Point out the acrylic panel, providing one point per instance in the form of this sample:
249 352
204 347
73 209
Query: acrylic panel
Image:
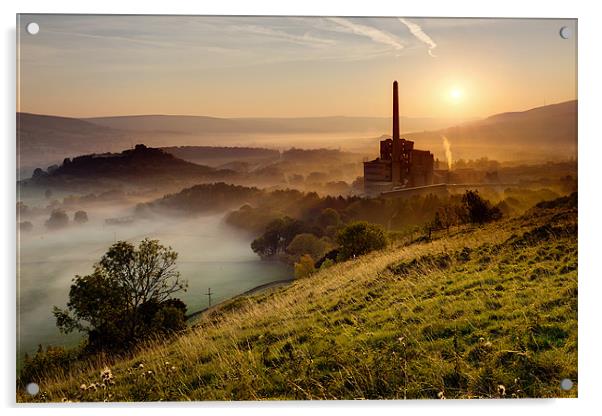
295 208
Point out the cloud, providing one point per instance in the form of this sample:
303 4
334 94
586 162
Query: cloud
370 32
111 37
417 31
305 39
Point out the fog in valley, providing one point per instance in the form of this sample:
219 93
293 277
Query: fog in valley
211 255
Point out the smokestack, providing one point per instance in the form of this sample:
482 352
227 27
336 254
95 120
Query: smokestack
395 112
396 151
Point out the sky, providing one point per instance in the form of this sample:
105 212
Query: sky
229 66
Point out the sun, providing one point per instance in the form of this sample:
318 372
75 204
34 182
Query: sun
456 94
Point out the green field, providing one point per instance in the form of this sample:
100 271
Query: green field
481 312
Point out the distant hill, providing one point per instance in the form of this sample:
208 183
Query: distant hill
202 125
548 132
46 140
141 164
215 197
216 156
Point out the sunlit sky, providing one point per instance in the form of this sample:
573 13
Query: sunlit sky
84 66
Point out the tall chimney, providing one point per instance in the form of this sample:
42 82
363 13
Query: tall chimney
396 151
395 112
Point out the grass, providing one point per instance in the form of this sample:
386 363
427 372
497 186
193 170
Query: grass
485 312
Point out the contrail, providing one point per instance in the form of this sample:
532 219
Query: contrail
370 32
420 35
448 153
278 34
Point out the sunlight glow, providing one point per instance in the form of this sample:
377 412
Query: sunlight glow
456 94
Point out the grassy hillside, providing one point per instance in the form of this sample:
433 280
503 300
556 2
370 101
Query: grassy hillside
480 313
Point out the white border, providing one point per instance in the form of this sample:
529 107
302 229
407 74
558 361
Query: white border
590 154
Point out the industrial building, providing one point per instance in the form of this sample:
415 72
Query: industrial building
399 164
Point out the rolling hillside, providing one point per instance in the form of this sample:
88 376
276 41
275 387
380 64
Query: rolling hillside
542 133
487 312
203 125
548 132
46 140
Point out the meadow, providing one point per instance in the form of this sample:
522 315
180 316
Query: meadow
479 312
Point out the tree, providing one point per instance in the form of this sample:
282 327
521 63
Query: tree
359 238
80 217
478 209
58 219
329 221
358 184
127 297
437 223
304 267
38 173
307 243
277 236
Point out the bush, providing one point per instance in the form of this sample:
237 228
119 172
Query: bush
46 362
304 267
359 238
478 209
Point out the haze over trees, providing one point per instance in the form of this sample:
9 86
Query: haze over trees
25 226
80 217
58 219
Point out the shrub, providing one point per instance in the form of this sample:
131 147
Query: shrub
360 238
304 267
478 209
47 361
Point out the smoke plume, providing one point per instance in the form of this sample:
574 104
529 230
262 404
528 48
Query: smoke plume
448 153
